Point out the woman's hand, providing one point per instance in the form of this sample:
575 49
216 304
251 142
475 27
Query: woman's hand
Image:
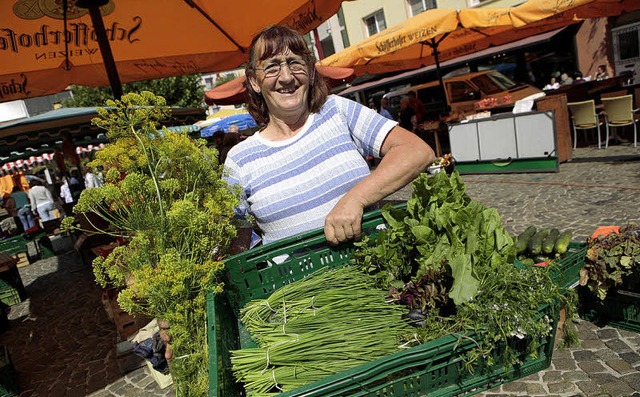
344 221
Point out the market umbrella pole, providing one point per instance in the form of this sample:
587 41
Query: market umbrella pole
434 46
105 48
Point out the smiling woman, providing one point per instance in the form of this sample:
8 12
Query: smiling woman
305 168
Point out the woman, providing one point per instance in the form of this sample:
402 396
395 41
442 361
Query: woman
65 194
18 206
601 73
41 201
305 168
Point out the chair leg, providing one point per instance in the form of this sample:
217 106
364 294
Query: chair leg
600 138
635 135
575 137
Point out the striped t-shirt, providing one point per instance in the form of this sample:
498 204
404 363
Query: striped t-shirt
290 186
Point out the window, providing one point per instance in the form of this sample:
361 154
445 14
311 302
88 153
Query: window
417 6
343 29
461 91
493 83
375 23
628 44
473 3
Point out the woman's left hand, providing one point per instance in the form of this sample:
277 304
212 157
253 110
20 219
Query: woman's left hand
344 222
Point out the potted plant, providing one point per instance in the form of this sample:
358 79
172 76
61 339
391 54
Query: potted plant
165 199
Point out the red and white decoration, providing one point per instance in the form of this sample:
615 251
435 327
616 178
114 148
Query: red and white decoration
23 165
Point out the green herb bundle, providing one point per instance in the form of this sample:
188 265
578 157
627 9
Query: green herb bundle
448 251
324 324
165 197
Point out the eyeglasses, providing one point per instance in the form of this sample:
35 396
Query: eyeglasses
296 66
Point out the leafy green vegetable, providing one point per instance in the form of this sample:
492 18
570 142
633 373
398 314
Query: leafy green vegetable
612 261
456 263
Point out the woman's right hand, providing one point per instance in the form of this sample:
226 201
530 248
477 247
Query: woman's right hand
344 222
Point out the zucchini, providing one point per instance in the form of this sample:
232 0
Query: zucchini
562 243
549 242
523 239
535 244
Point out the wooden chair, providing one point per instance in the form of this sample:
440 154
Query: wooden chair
584 117
619 112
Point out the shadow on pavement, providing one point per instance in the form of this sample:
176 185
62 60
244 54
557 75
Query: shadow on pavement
60 339
606 159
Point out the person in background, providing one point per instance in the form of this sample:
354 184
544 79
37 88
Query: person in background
41 201
305 167
578 77
417 106
407 117
218 137
67 198
384 108
565 79
100 175
90 179
76 184
58 158
601 73
231 139
21 208
553 85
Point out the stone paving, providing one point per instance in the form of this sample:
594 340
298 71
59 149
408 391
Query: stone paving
63 344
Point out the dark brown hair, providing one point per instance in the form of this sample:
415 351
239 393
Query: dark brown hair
276 39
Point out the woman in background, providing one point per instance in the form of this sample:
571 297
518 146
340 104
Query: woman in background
41 201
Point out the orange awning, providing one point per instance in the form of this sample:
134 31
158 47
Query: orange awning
411 43
149 39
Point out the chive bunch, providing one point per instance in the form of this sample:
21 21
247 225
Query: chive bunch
326 323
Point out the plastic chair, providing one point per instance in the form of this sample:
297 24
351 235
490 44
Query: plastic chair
619 112
584 117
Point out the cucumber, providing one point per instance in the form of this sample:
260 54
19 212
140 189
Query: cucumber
562 242
535 244
549 242
523 239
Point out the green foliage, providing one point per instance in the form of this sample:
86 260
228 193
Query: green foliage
225 78
613 261
181 91
165 197
456 263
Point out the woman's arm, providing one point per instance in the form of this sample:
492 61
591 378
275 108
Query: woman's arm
404 157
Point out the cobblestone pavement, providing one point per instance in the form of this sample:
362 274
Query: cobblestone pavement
62 343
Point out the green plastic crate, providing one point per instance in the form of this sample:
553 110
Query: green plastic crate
16 244
434 369
8 382
620 309
12 289
9 295
565 271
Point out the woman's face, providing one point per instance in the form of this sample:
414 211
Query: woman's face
283 80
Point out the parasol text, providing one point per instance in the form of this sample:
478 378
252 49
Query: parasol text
78 34
13 87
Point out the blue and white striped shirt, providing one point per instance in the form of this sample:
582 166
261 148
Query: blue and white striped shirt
290 186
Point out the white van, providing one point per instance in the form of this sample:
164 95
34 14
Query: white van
464 94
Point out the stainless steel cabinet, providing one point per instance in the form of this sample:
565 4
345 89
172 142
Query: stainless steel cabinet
504 137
